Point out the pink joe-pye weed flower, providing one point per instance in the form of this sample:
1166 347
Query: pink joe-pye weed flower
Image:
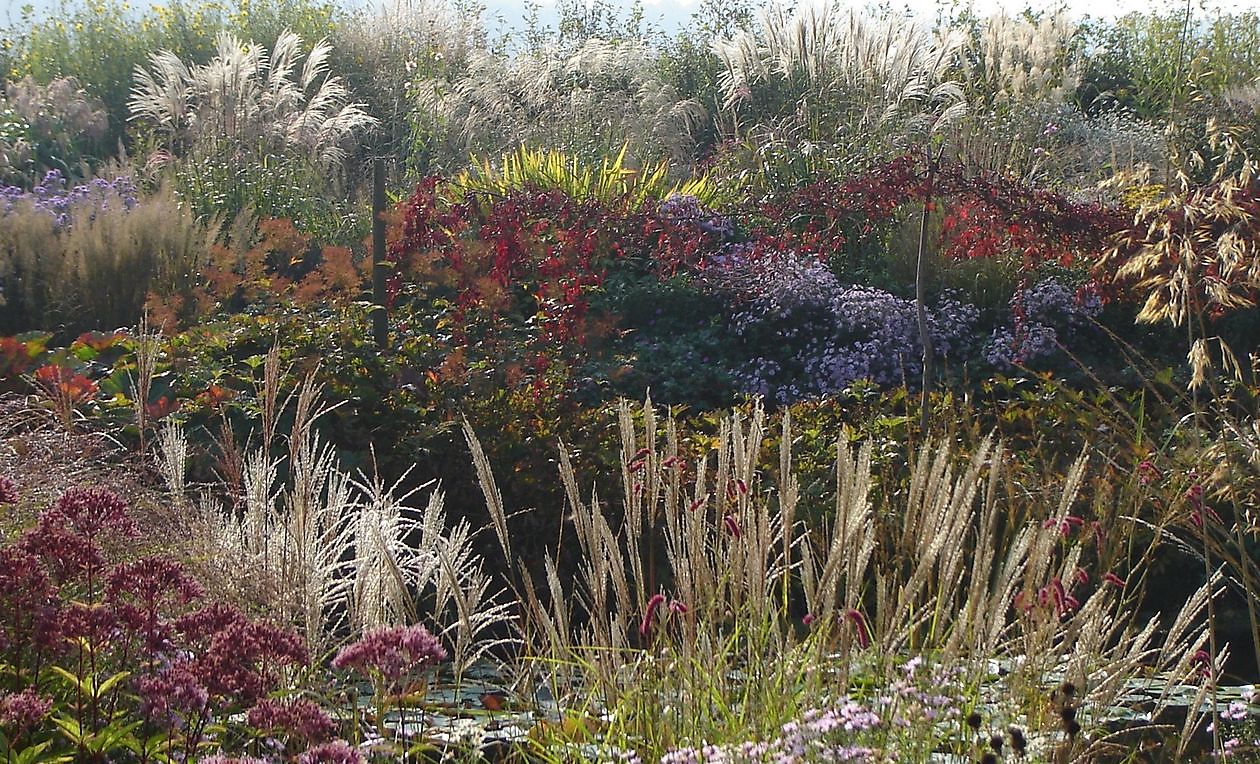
23 710
391 652
299 718
336 752
8 491
171 695
91 512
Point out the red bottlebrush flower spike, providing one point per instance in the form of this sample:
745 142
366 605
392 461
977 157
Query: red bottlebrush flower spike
859 623
808 619
649 614
677 606
732 526
697 504
1114 580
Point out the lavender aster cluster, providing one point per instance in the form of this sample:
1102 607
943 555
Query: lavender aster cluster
806 334
685 209
1045 316
828 734
53 196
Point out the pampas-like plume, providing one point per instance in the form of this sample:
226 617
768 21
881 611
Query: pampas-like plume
249 97
816 65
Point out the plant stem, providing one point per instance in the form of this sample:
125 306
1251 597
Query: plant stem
920 288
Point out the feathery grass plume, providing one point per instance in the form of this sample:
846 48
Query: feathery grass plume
172 456
390 44
839 575
840 76
255 100
1194 252
605 95
1013 62
389 563
494 499
148 347
294 540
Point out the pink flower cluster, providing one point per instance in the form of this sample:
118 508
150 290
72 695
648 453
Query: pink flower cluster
336 752
297 717
23 710
8 491
392 652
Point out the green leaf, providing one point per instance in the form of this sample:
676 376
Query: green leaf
110 683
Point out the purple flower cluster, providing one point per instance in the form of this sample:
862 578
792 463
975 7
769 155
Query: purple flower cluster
23 710
65 204
171 695
296 717
829 734
8 491
851 730
392 652
685 209
806 334
336 752
1045 316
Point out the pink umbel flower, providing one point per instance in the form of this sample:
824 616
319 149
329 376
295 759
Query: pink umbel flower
222 758
90 512
391 652
144 593
172 695
8 491
237 659
299 718
30 612
23 710
336 752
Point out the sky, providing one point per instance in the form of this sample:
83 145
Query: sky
673 14
676 12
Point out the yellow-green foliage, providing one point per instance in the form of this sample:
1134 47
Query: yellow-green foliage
611 182
94 272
